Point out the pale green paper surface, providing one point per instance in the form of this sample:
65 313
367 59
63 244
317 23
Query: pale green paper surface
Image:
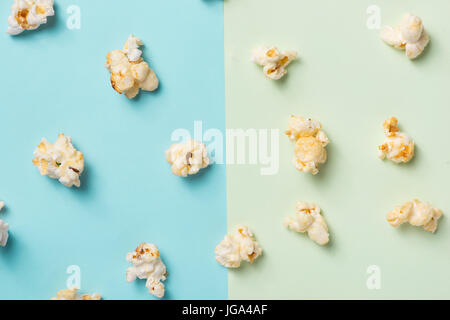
350 81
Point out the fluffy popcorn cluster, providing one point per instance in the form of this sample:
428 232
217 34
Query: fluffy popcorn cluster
147 264
187 158
410 36
28 15
273 61
237 247
129 72
417 213
310 143
72 294
398 146
60 160
3 229
308 219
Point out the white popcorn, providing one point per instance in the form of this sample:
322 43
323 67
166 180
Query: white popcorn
310 143
308 219
410 36
129 72
237 247
273 61
3 229
28 15
60 160
147 264
397 147
71 294
187 158
417 213
3 233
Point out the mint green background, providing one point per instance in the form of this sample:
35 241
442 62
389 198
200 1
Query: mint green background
348 79
54 80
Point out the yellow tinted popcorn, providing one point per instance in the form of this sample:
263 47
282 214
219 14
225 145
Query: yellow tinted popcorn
417 213
28 15
60 160
187 158
410 36
310 143
3 229
397 147
308 219
147 264
237 247
129 72
273 61
71 294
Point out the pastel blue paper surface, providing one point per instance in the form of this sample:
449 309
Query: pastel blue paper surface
53 80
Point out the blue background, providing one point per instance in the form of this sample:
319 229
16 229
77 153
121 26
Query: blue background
54 80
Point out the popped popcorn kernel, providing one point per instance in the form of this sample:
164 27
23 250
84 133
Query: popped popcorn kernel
398 146
417 213
308 219
273 61
129 72
147 264
60 160
410 36
237 247
310 143
71 294
28 15
187 158
3 229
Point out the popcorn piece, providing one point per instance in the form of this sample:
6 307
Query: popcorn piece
236 247
410 36
3 233
71 294
3 229
308 219
273 61
28 15
397 147
417 213
60 161
129 71
147 264
187 158
310 143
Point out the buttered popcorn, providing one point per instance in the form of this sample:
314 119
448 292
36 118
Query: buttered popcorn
398 146
60 160
3 229
410 36
237 247
308 219
417 213
129 72
310 143
72 294
147 264
273 61
28 15
187 158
